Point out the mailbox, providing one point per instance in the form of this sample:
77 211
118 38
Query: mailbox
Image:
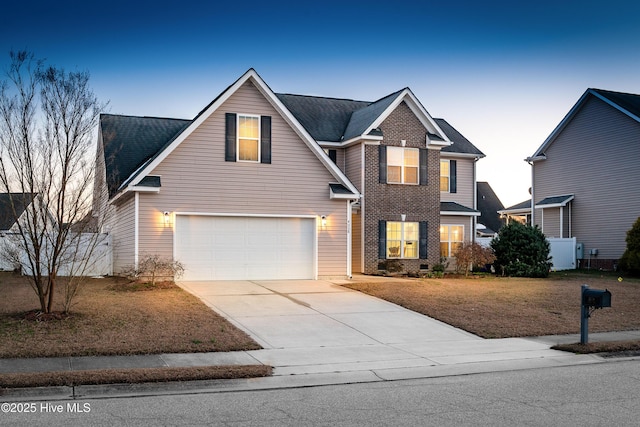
596 298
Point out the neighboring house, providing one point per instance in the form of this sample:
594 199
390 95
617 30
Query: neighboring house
13 208
520 212
489 221
586 176
277 186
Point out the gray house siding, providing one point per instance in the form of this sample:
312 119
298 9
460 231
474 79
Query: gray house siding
595 158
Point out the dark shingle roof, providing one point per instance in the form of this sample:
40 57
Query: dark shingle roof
8 211
455 207
326 119
555 200
130 141
363 118
460 143
339 189
519 206
628 101
489 205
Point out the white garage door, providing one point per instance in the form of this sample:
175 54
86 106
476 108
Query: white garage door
245 248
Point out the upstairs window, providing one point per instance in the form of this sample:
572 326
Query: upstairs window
448 178
248 138
402 165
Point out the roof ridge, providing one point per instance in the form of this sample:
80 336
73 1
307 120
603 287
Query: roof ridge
144 117
324 97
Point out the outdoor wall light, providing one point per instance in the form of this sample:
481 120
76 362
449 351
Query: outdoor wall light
167 217
323 221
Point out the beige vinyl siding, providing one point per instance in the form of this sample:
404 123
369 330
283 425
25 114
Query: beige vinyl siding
464 178
353 165
595 157
356 242
195 178
550 221
123 234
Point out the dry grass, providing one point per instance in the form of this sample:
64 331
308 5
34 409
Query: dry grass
112 318
495 307
131 376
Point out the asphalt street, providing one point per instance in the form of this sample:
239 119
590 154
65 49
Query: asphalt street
586 395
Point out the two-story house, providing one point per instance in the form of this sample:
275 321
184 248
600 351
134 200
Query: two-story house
265 185
586 175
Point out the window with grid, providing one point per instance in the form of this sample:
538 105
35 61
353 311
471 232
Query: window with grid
402 165
248 138
402 239
444 175
451 238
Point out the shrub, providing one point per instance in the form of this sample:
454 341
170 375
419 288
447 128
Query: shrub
630 261
521 251
154 267
471 254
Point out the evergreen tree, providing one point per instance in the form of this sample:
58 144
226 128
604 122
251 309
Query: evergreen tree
630 261
521 251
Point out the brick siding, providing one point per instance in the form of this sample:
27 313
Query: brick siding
389 201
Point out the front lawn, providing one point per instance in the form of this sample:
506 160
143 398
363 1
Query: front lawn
497 307
113 318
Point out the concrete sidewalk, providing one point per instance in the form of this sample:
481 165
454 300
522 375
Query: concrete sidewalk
316 332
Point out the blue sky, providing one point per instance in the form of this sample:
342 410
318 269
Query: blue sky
503 73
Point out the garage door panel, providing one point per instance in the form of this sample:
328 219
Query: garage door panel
245 248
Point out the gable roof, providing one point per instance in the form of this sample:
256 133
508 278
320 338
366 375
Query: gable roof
351 119
626 103
461 145
10 202
326 119
130 141
488 205
153 158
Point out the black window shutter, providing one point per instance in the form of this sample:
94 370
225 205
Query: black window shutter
333 155
265 139
424 240
453 181
230 138
382 239
382 151
424 158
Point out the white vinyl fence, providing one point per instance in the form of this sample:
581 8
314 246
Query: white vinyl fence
88 254
563 253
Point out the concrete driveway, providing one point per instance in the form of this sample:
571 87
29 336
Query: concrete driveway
315 326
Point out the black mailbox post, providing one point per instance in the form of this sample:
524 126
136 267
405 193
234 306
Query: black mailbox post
591 299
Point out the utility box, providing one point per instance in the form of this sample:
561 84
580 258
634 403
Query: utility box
596 298
579 250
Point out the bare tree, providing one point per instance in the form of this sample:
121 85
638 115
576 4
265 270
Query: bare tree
47 119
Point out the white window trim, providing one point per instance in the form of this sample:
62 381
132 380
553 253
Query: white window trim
402 166
449 241
238 116
402 241
448 190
